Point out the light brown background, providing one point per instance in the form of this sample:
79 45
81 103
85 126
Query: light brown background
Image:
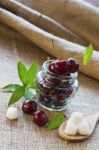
23 134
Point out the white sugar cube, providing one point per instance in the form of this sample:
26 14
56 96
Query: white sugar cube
84 128
76 117
12 113
71 129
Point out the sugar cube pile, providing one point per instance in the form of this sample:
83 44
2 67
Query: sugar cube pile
77 124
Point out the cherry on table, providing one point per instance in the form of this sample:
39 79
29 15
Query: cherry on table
40 118
29 107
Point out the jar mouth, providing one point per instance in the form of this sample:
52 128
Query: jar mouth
64 77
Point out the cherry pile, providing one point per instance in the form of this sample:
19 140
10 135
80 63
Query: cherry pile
64 67
30 107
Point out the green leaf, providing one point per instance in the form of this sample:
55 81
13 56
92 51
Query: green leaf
18 93
11 87
31 75
28 94
87 55
22 72
56 121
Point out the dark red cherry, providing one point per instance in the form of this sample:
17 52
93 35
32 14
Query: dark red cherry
29 107
59 67
69 91
59 100
40 118
73 65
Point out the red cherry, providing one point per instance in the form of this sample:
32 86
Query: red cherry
59 100
59 67
73 65
29 107
40 118
69 91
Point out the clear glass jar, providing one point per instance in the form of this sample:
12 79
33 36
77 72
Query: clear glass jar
54 91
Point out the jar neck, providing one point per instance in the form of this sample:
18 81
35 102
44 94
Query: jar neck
46 72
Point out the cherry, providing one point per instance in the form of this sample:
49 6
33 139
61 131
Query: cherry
29 107
40 118
59 67
73 65
59 100
69 91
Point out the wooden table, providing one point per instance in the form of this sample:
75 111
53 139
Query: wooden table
23 134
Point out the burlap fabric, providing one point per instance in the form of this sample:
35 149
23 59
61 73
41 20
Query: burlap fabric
23 134
82 20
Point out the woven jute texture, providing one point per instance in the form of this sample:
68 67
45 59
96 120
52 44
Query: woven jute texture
20 18
23 134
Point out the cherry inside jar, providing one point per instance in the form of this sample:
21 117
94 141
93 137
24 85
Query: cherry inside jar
54 91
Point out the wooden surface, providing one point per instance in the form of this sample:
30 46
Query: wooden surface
23 134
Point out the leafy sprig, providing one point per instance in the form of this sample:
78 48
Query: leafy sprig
28 81
56 121
11 87
87 54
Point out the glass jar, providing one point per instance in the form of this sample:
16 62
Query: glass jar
54 91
